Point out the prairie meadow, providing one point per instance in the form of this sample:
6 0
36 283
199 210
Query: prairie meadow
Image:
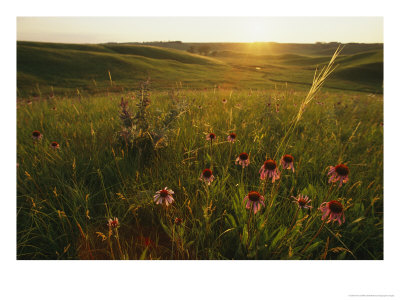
199 171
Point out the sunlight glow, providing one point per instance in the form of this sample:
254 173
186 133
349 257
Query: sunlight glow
201 29
256 31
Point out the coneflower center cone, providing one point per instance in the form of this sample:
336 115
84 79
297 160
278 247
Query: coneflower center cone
342 170
254 196
164 193
243 156
302 202
288 158
207 173
36 133
270 165
335 206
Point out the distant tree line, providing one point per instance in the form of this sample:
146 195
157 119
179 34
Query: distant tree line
163 42
328 44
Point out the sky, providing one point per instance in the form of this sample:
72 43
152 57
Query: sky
200 29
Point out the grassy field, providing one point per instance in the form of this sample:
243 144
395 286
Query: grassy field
44 68
120 143
65 197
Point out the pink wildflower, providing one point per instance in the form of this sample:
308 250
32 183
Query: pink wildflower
36 135
302 201
269 169
55 145
211 136
165 196
207 176
332 210
253 201
113 223
232 137
339 173
287 162
243 159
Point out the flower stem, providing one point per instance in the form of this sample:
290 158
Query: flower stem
241 178
248 227
118 243
329 193
211 154
173 241
110 244
273 196
318 232
229 158
290 228
264 185
294 219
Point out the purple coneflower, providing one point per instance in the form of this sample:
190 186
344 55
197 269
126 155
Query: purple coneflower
54 108
55 145
113 223
287 162
207 176
302 201
224 101
232 137
253 201
36 135
211 136
339 173
243 159
269 169
332 210
165 196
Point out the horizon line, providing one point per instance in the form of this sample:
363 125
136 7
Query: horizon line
192 42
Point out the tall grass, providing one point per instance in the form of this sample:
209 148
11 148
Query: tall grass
317 83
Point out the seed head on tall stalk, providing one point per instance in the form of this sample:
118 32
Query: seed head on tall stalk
231 139
318 81
210 137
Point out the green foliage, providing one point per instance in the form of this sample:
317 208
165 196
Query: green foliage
65 197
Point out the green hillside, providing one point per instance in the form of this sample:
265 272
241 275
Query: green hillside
42 67
87 66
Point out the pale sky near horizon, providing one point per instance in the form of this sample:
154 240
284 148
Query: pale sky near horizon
200 29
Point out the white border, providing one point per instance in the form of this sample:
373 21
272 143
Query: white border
198 279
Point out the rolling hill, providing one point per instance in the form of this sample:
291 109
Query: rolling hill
42 67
